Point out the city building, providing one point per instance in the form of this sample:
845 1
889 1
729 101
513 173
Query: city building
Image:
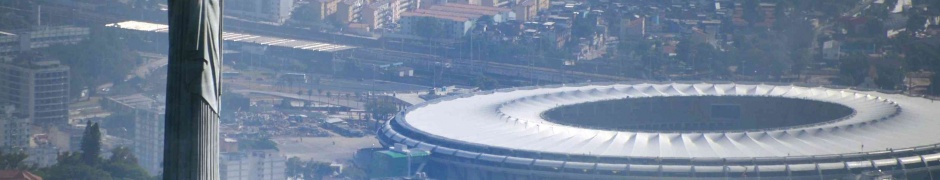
739 130
43 154
543 4
832 50
253 165
454 19
276 11
495 3
451 26
633 28
149 125
37 86
470 2
228 145
14 130
325 8
45 36
65 137
396 162
497 14
526 10
377 14
401 6
348 11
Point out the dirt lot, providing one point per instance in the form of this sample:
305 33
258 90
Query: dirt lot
323 148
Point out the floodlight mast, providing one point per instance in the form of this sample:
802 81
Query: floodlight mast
191 144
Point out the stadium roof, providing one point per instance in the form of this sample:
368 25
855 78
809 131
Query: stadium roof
511 119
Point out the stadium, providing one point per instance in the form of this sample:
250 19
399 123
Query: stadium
673 130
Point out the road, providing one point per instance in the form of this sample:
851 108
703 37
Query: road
320 99
466 66
373 45
327 149
155 61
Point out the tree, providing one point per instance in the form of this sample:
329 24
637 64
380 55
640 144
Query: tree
915 23
75 171
91 144
103 58
294 167
752 12
123 165
853 70
12 160
429 28
891 3
122 155
71 165
584 26
934 88
485 82
381 109
120 124
257 144
353 172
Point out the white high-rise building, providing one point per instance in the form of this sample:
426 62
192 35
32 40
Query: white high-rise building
36 86
253 165
14 131
276 11
148 128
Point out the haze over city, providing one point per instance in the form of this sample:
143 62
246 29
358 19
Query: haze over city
474 89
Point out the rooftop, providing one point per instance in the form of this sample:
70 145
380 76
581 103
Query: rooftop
240 37
137 101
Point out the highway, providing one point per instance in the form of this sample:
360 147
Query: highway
473 67
371 49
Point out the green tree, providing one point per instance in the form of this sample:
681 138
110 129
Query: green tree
853 70
934 88
103 58
353 172
485 82
91 144
120 124
381 109
308 169
317 170
123 165
915 23
13 160
429 28
752 12
294 167
75 171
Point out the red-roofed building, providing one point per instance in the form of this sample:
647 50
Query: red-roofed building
455 19
18 175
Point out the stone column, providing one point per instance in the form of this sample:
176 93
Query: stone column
191 145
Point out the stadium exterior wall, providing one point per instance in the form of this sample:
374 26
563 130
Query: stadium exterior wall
455 159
